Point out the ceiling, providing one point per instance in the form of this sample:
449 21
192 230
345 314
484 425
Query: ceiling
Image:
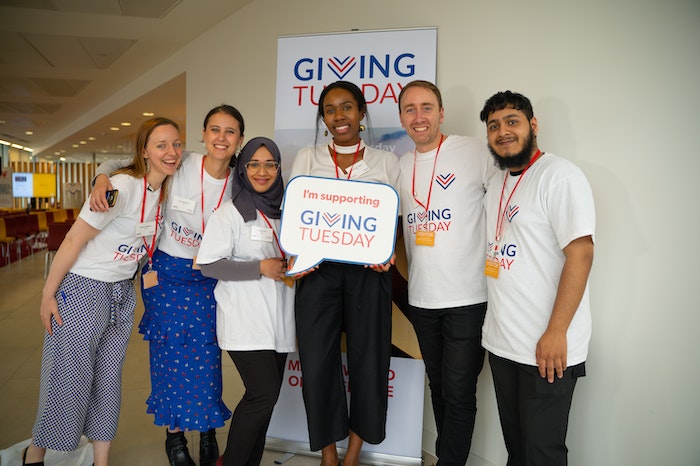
59 59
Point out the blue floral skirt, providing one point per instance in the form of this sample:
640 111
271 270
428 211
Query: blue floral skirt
179 324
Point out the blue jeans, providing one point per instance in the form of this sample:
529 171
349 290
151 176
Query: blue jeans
450 342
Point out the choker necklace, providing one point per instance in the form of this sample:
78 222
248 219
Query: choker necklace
348 149
354 159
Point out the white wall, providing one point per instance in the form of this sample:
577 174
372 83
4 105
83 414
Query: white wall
615 88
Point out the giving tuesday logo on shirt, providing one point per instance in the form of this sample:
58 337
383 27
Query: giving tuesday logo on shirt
431 220
129 252
186 236
444 181
511 212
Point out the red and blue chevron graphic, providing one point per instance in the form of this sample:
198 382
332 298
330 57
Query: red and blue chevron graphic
445 180
341 67
512 211
331 219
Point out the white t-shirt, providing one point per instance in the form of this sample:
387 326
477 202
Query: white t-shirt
451 272
250 314
183 212
378 166
552 206
114 254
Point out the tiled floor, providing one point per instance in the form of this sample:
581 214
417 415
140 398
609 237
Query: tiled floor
138 441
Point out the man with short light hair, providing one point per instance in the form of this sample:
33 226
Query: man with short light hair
442 189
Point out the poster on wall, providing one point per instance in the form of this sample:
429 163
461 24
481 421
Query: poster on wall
380 63
6 201
72 196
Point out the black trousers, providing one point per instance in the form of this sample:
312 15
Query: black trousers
356 300
534 413
450 342
262 373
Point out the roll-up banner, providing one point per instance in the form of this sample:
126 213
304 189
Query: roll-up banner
380 63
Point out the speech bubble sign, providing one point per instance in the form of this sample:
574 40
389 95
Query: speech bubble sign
339 220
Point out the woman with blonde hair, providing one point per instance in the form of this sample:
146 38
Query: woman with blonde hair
88 301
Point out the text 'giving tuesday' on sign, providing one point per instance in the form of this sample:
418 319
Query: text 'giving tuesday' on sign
339 220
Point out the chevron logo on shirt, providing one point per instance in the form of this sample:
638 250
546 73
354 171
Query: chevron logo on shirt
445 180
512 211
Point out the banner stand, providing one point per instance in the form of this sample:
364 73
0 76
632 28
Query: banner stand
288 431
379 62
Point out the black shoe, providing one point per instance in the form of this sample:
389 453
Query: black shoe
176 449
208 448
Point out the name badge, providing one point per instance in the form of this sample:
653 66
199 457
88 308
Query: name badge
150 279
183 204
146 228
359 168
425 238
289 281
261 234
492 267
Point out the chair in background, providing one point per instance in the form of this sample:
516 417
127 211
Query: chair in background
43 221
15 229
31 232
6 242
40 240
71 215
26 231
57 232
49 218
59 215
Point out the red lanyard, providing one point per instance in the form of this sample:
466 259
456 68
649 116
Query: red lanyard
502 213
274 233
354 159
201 185
432 177
150 250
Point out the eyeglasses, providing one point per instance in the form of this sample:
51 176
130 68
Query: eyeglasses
270 167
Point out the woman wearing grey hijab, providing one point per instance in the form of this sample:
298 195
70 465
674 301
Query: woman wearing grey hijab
255 306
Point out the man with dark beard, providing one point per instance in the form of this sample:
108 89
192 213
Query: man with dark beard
540 222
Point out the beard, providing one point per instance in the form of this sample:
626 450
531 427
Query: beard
520 159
